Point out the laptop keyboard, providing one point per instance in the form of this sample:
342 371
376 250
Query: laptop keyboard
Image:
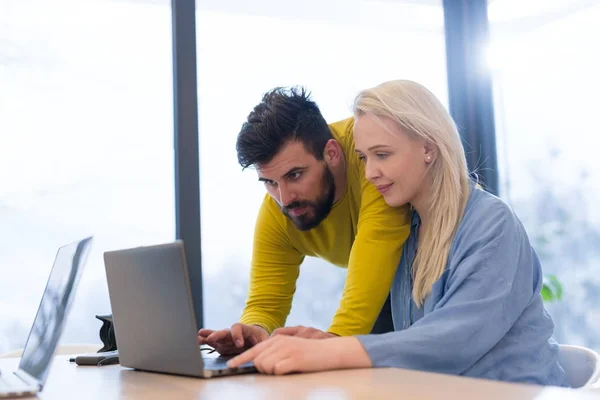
215 362
11 384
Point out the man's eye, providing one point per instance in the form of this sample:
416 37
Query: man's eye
270 183
295 176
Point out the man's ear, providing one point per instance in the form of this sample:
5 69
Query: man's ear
332 152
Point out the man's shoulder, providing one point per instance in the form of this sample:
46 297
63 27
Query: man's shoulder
342 132
343 126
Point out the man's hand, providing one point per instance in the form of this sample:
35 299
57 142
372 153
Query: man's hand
303 332
284 354
235 340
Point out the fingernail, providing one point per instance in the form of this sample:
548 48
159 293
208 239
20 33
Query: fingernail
238 343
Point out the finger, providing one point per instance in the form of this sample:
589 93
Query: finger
220 345
219 339
205 332
215 345
270 347
316 335
269 357
253 340
288 330
286 365
218 335
261 362
266 364
248 355
223 346
305 332
242 358
239 334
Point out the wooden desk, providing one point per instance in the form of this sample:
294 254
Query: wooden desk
69 381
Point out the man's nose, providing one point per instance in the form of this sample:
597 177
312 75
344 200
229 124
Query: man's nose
286 196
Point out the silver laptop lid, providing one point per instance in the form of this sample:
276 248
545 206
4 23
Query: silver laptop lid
56 301
153 311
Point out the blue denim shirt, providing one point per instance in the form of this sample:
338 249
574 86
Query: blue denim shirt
484 317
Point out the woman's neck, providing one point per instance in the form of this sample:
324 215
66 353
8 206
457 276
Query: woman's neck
421 204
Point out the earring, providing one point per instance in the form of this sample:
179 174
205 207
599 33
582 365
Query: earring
428 158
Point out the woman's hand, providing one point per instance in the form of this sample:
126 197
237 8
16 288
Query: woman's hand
286 354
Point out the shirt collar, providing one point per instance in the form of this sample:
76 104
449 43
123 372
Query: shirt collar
415 220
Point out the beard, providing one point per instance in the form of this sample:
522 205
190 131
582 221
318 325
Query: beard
316 210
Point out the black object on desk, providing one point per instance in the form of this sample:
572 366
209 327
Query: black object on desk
97 359
107 333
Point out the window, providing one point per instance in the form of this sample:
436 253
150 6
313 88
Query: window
86 126
334 49
545 63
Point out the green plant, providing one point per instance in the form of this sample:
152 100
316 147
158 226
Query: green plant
551 288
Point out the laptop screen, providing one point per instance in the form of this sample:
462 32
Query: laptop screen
56 300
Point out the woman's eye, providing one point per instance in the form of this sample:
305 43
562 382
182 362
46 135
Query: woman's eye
381 156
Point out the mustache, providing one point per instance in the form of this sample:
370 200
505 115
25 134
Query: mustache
297 204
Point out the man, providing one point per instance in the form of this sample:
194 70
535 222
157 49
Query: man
319 204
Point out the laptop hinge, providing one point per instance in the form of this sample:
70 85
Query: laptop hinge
28 379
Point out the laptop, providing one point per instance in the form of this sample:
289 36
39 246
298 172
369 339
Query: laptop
153 313
48 324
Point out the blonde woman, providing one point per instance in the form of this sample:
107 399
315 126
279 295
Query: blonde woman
466 294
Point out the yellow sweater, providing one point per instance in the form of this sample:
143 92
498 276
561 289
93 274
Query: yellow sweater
361 233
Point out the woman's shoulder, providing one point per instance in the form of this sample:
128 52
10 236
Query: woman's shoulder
487 219
486 211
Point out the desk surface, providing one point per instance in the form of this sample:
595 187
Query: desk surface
69 381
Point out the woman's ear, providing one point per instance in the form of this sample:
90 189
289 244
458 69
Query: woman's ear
332 152
430 152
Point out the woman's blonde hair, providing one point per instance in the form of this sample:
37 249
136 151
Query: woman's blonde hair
421 115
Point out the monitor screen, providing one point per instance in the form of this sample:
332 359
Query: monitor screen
52 312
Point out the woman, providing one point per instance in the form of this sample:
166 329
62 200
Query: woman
466 295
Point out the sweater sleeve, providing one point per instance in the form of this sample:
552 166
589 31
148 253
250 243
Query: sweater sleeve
373 260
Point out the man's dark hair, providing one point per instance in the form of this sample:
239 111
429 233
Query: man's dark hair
283 115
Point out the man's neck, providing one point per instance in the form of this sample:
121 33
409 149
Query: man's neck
339 177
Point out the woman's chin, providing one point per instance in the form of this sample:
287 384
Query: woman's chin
394 201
